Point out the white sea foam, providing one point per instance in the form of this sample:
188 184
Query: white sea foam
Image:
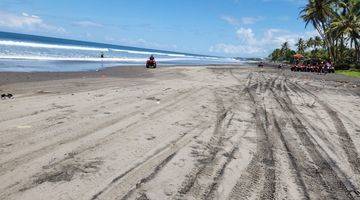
85 59
49 46
84 48
148 53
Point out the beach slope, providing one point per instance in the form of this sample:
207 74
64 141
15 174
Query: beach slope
179 133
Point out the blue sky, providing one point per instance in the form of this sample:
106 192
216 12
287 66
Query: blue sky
247 28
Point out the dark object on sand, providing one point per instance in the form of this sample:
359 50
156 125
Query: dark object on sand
261 64
151 63
8 95
331 69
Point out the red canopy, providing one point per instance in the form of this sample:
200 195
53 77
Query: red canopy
298 56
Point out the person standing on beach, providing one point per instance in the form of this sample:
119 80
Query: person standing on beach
102 59
327 67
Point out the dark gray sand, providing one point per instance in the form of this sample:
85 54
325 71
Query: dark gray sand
180 133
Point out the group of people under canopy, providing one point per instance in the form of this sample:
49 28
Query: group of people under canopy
312 65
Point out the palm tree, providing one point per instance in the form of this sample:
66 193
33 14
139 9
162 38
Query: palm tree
310 43
286 52
301 46
318 42
348 24
284 49
318 12
285 46
353 28
276 55
338 25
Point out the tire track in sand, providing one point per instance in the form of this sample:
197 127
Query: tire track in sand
345 138
208 164
14 163
292 158
262 164
122 186
204 180
28 185
323 172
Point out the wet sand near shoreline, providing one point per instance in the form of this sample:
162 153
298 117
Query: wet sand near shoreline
120 72
180 133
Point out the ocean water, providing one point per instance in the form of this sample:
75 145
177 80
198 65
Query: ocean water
27 53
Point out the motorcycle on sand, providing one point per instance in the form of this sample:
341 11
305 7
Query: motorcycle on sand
151 63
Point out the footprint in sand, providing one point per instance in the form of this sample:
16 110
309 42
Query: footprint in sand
169 189
151 138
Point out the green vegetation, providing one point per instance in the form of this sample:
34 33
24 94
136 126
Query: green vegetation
283 54
352 73
338 25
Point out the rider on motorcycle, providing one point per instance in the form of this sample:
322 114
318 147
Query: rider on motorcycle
151 63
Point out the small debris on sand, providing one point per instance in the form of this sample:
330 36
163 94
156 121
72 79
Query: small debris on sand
166 89
43 92
153 99
8 95
151 138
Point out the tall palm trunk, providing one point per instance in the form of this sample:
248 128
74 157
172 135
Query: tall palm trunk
357 52
328 42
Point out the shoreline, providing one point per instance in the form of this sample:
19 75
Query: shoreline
139 71
129 71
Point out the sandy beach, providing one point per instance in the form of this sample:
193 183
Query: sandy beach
179 133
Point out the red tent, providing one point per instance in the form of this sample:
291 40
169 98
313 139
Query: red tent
298 56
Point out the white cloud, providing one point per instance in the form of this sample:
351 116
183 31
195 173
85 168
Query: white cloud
251 20
239 21
231 20
250 45
236 49
246 35
26 21
87 24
